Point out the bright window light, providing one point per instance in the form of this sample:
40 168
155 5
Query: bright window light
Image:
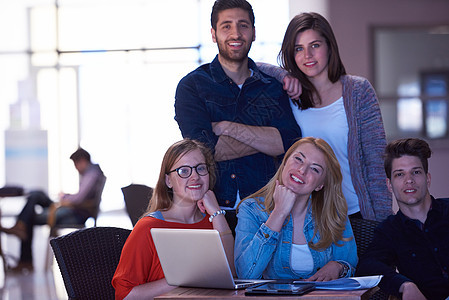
106 72
410 114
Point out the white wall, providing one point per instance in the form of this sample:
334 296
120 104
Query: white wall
319 6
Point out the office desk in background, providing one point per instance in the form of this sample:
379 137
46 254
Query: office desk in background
199 293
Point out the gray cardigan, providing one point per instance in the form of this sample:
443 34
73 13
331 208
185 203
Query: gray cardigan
366 145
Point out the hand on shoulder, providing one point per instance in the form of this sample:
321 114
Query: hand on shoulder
292 86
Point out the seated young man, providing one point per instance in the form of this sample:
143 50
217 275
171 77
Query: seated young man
70 209
411 249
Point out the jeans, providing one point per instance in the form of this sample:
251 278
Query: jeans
28 215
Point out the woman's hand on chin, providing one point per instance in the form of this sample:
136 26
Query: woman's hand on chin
284 198
209 203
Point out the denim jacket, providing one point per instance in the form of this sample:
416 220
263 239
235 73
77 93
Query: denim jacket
208 95
261 252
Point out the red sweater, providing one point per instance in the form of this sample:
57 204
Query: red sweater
139 262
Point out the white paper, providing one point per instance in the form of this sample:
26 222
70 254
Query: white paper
351 283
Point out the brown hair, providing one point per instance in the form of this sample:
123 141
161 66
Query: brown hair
80 154
286 57
409 146
162 198
221 5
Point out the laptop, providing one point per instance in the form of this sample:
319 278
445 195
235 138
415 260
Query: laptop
196 258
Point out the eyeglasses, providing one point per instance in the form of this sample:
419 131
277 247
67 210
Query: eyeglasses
186 171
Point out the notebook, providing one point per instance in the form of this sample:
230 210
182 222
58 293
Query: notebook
196 258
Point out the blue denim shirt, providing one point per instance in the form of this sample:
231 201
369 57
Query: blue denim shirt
208 95
261 252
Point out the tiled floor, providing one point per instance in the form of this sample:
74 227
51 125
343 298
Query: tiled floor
42 284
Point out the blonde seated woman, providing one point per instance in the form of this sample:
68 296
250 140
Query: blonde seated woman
296 226
182 198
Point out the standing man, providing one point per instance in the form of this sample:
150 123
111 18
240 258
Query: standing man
71 209
242 114
415 241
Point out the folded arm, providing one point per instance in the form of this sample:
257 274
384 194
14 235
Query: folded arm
230 139
228 148
263 139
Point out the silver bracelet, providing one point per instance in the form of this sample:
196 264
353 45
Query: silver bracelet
344 272
218 212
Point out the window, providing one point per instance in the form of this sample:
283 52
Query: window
435 91
103 74
411 71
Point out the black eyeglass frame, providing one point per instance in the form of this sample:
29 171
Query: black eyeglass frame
191 170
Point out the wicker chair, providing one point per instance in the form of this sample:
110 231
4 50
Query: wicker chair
363 234
87 259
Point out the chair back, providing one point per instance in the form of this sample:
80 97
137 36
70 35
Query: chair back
87 259
363 234
231 218
137 197
97 198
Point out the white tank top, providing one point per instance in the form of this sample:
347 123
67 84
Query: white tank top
330 124
301 259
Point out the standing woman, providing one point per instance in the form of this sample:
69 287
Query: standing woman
296 226
341 109
182 198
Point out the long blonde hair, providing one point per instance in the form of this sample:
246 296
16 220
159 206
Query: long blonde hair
162 198
329 207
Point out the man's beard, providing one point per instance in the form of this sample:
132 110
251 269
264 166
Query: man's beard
230 55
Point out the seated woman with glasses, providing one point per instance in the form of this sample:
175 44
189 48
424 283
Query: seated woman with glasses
182 198
296 226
